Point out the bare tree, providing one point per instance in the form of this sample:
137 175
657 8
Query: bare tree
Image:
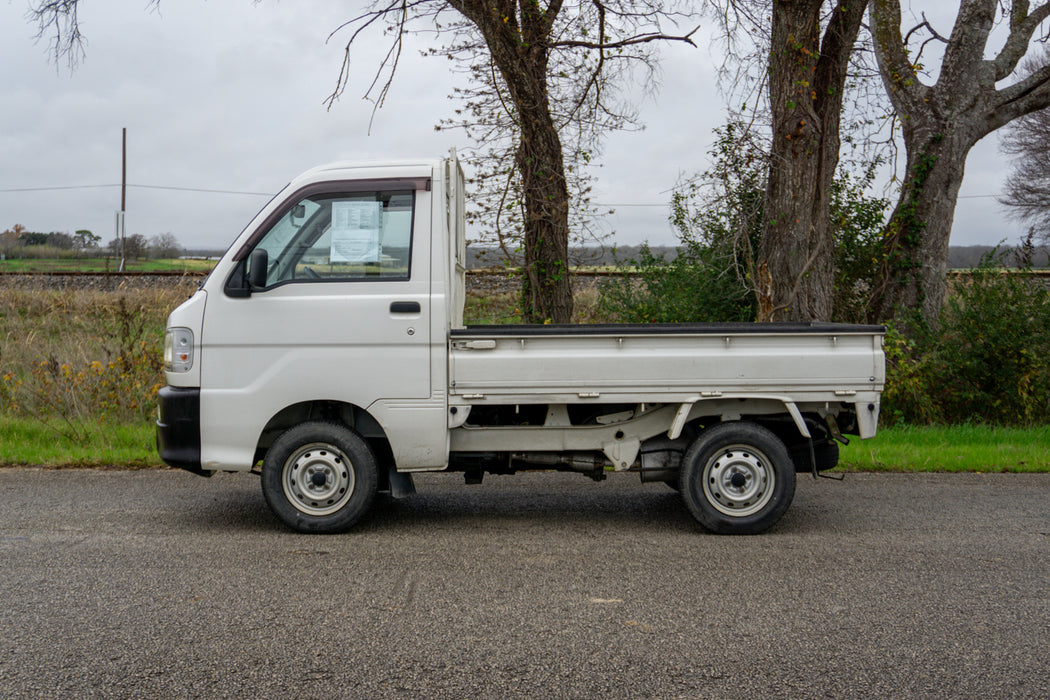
808 66
810 45
136 247
583 112
521 40
164 245
1027 191
940 122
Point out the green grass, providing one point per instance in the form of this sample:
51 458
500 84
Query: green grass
492 309
103 265
80 443
25 441
960 448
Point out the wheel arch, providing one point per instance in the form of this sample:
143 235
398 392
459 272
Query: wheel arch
351 415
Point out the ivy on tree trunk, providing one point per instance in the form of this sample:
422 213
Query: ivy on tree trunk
940 123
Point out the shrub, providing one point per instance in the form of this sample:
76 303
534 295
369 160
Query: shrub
700 284
72 356
718 217
987 361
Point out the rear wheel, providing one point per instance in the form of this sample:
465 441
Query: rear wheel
825 453
319 477
737 478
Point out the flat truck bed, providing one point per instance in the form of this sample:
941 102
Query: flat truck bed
672 363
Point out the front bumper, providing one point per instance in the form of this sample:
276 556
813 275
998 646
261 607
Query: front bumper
179 428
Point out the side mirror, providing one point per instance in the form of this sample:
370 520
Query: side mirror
257 267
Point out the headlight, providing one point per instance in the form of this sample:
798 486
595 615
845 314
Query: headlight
178 349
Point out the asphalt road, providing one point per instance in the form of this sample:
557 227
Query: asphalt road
164 584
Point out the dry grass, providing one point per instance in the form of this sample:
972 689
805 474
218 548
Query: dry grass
502 307
69 356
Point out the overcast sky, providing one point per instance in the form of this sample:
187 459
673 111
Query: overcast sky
229 96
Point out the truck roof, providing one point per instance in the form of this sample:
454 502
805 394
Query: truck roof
371 169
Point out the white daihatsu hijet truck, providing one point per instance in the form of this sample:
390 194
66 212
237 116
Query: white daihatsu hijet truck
327 351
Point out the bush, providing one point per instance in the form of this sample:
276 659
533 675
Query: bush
987 361
72 358
856 220
699 285
718 217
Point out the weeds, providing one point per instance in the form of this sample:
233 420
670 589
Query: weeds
77 360
987 361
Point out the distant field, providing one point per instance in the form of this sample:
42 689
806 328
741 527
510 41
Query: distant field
104 265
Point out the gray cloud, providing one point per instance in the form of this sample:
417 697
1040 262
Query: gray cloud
229 96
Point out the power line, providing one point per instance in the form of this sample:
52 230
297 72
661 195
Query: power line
201 189
49 189
270 194
146 187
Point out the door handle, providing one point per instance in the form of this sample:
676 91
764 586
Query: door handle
404 307
475 344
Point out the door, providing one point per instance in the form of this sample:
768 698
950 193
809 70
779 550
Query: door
344 314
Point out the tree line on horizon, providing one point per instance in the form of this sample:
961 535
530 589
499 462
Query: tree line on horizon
959 257
18 242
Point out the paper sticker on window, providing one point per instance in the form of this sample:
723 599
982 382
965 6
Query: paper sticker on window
356 231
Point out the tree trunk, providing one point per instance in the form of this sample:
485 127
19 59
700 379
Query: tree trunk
546 288
517 43
912 274
941 123
795 270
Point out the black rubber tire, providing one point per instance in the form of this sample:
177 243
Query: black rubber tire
753 466
344 468
826 454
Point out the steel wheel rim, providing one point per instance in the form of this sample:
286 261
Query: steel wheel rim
318 479
738 480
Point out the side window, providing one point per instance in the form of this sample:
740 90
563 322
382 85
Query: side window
342 237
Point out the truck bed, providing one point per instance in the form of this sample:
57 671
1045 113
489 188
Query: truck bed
667 362
574 329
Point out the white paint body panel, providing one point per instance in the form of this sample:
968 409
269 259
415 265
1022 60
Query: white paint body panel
659 367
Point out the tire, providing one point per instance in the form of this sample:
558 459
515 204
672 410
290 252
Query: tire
340 480
737 478
826 454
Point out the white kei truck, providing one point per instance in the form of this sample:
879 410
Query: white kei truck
328 345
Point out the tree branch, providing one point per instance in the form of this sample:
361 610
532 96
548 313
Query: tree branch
632 41
1022 27
964 55
902 83
934 36
593 80
1029 95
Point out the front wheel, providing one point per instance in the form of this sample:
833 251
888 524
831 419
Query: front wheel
737 478
319 477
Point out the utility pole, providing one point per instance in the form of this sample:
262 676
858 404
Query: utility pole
123 193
